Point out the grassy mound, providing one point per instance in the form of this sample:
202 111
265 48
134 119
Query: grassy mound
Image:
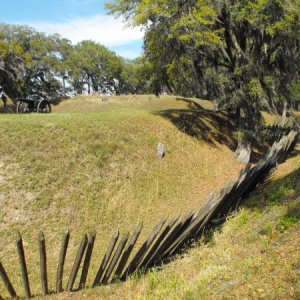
91 164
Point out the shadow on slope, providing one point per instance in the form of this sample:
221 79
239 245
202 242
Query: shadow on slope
191 103
209 126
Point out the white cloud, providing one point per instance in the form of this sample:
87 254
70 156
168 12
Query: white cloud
100 28
127 53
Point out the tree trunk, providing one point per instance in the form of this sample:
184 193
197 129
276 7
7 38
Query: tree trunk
64 84
284 114
89 88
243 151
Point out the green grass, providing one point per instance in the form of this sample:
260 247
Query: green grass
93 165
291 218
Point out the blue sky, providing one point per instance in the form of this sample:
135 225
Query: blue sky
76 20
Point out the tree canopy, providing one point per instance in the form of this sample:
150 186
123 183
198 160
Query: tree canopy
241 53
33 63
30 62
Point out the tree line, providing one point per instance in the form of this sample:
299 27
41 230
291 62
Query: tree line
34 63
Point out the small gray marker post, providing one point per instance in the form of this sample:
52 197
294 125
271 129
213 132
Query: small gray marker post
160 150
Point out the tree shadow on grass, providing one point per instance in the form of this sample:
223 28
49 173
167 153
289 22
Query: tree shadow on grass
210 126
205 125
191 103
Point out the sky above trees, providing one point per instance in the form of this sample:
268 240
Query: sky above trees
76 20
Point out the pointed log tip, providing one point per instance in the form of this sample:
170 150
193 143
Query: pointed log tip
177 216
92 236
116 234
41 236
140 225
19 236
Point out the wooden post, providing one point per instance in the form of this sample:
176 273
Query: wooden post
61 261
87 260
143 249
170 237
146 262
23 266
7 282
128 250
115 258
106 258
43 263
185 222
76 264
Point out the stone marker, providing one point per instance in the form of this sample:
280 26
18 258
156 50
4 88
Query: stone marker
160 150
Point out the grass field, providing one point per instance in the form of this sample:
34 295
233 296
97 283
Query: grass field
92 165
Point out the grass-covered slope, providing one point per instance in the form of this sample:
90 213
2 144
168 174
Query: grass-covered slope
92 164
254 255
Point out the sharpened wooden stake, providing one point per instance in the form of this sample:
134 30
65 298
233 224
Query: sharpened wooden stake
150 255
43 263
128 250
23 266
106 258
115 258
144 248
87 260
61 261
76 264
7 282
